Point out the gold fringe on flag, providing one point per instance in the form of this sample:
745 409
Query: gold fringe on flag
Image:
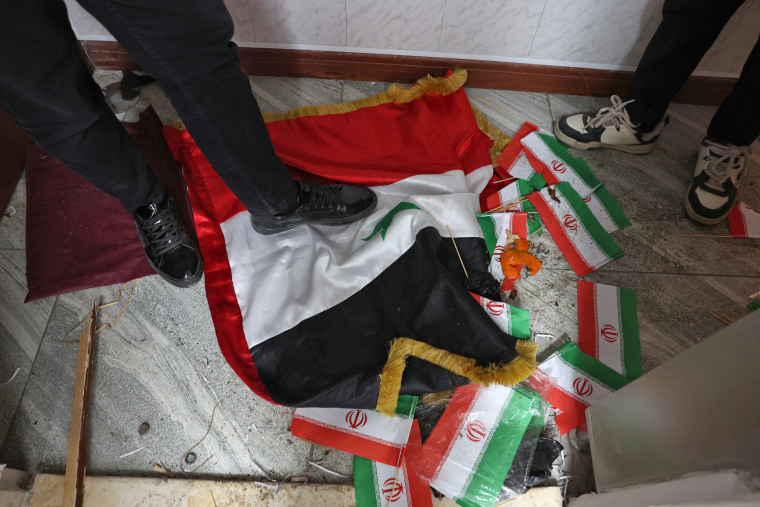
499 138
517 370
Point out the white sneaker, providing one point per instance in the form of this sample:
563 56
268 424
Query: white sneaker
611 127
713 190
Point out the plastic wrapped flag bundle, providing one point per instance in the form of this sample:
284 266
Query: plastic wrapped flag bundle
485 435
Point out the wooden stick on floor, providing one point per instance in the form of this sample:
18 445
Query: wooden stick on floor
76 460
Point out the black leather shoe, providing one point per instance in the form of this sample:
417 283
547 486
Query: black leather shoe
319 204
171 254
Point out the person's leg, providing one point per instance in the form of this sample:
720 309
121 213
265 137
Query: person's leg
46 87
737 120
688 29
187 47
633 125
722 158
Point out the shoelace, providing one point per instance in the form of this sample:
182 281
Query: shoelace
163 231
323 197
723 162
615 115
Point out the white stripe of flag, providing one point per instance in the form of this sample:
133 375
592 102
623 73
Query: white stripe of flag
608 326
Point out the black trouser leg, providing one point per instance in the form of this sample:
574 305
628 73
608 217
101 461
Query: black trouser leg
186 46
688 29
46 87
737 121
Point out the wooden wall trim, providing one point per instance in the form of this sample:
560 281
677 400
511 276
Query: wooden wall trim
407 69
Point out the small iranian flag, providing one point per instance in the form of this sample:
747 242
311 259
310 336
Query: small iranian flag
380 485
608 326
470 451
551 159
744 222
361 432
581 381
495 227
515 163
512 199
582 239
512 320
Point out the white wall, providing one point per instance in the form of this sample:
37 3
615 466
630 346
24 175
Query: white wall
603 34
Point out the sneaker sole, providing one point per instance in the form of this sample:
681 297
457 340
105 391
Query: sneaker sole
328 221
182 284
636 149
699 218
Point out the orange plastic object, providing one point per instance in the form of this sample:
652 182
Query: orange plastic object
512 257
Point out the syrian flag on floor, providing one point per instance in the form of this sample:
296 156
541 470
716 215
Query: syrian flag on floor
581 381
515 163
608 326
471 449
380 485
495 227
510 319
582 239
365 433
306 317
744 222
551 159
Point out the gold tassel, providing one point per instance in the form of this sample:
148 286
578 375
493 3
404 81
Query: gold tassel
517 370
499 138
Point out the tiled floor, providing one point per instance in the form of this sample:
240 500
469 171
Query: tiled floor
161 363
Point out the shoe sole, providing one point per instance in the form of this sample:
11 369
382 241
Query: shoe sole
328 221
699 218
636 149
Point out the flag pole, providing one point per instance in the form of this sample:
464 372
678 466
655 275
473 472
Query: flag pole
458 254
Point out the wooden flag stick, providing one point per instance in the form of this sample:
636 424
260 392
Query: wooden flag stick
702 236
507 205
76 460
458 254
753 296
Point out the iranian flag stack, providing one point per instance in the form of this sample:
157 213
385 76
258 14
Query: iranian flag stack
483 437
541 179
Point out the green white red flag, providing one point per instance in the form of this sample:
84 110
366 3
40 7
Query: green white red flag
551 159
582 239
472 447
581 381
744 222
510 319
514 161
361 432
495 227
608 326
380 485
511 199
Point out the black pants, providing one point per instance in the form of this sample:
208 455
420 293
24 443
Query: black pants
186 46
688 29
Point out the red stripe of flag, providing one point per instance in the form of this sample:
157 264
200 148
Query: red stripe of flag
343 441
555 228
446 429
737 223
587 332
540 167
514 148
573 412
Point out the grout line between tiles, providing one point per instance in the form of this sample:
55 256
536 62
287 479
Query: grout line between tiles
29 375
